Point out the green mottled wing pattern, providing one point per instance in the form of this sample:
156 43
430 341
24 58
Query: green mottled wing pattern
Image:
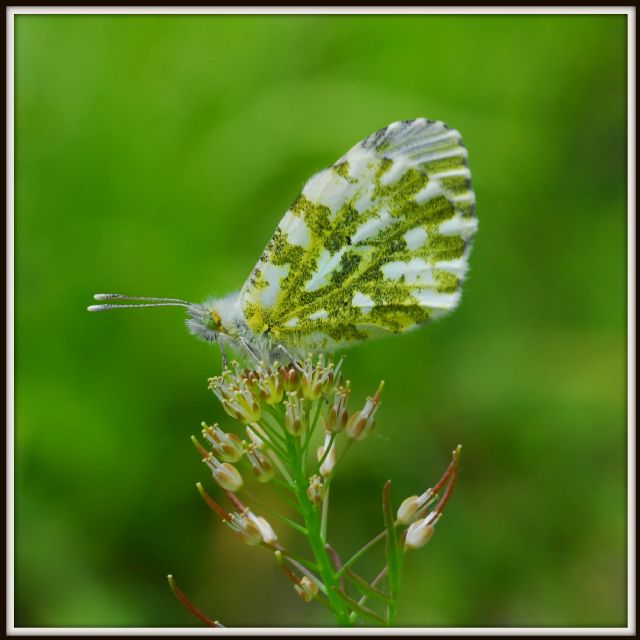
377 243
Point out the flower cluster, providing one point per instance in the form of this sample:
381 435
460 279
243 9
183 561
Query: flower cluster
267 398
296 427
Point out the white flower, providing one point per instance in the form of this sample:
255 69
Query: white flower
420 532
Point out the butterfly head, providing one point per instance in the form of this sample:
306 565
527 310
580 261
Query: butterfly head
205 321
216 319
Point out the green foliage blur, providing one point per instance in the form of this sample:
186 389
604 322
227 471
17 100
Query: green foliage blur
155 156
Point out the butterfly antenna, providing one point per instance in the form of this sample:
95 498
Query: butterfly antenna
147 302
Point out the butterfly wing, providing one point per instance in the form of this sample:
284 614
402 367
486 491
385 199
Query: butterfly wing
377 243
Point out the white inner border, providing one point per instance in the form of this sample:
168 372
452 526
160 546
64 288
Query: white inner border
11 12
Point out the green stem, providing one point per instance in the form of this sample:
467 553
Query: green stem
325 515
312 426
274 440
281 468
299 458
314 535
393 554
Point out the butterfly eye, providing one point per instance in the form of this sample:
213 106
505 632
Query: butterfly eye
213 321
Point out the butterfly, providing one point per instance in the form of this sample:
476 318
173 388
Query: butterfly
376 244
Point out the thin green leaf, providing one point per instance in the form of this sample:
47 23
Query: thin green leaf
358 554
364 587
392 553
361 610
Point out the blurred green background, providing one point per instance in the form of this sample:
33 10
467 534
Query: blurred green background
155 156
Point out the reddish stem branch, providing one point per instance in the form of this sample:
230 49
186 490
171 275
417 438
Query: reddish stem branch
287 572
447 493
453 477
213 504
189 606
445 476
236 501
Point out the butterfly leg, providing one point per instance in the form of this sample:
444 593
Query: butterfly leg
225 360
250 351
294 362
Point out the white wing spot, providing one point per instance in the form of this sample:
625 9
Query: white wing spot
458 266
447 135
327 188
416 271
327 264
456 152
314 186
358 159
467 197
415 238
273 275
453 173
435 300
363 301
371 227
431 191
364 202
458 225
319 315
295 230
398 168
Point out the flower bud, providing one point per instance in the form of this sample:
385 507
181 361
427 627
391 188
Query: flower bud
407 510
245 526
312 378
315 492
236 395
228 477
262 467
225 474
248 406
310 390
420 532
250 377
294 416
361 423
328 377
337 416
329 461
227 446
414 507
306 589
289 378
270 385
268 534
